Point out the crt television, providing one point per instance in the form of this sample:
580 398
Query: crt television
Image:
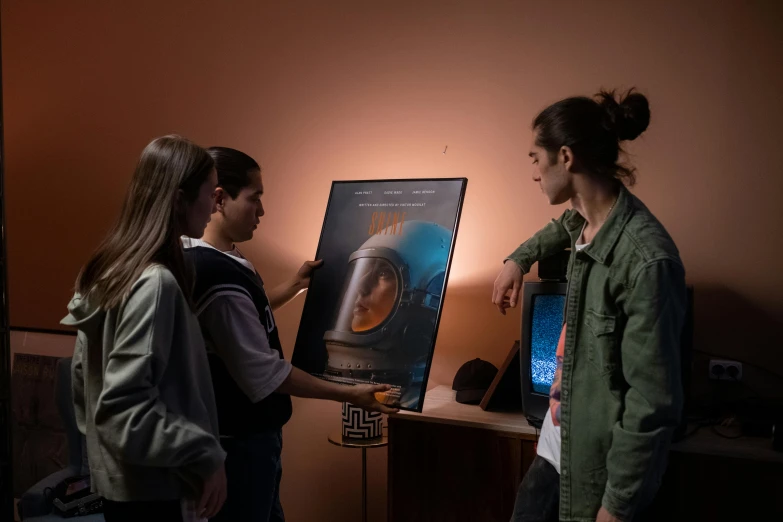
543 306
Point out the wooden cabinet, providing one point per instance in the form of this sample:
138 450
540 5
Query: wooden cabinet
456 462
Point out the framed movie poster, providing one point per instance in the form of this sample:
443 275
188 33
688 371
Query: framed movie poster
372 310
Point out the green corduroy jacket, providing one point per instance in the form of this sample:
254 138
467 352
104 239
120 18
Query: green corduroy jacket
621 395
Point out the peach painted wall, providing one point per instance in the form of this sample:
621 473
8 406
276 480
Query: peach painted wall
318 91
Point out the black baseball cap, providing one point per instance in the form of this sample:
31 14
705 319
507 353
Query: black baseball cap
472 380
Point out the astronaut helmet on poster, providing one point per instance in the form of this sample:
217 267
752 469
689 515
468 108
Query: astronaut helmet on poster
383 328
372 310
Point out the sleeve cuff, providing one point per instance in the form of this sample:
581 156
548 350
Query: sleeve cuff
282 371
617 506
207 466
517 258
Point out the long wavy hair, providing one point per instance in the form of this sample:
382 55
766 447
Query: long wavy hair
148 229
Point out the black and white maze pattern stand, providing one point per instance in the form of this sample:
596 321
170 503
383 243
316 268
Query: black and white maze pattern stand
361 424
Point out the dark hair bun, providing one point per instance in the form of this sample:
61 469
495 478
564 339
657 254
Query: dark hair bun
629 117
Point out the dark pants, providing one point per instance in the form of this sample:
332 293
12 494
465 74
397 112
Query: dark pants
159 510
253 472
538 497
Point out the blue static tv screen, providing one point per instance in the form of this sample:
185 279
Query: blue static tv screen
546 324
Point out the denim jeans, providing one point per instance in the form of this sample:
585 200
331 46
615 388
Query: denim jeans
253 472
538 497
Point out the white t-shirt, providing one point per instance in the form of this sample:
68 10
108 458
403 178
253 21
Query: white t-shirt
549 441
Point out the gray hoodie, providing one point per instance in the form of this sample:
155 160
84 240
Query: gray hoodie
143 393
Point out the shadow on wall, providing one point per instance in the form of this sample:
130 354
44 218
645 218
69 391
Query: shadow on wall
729 326
726 323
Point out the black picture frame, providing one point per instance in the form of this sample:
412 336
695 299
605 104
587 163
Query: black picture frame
305 355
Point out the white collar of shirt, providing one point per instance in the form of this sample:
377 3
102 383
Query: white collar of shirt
580 244
235 254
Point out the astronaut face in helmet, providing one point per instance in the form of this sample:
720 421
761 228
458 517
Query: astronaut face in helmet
384 325
376 294
370 299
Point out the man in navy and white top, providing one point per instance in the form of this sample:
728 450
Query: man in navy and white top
253 382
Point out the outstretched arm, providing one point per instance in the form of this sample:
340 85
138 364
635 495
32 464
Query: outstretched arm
302 384
237 335
548 241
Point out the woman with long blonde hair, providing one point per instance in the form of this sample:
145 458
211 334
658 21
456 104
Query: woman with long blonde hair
141 383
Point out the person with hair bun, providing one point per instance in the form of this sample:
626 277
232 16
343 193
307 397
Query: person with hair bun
616 396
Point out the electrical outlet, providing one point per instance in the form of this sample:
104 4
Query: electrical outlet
725 370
